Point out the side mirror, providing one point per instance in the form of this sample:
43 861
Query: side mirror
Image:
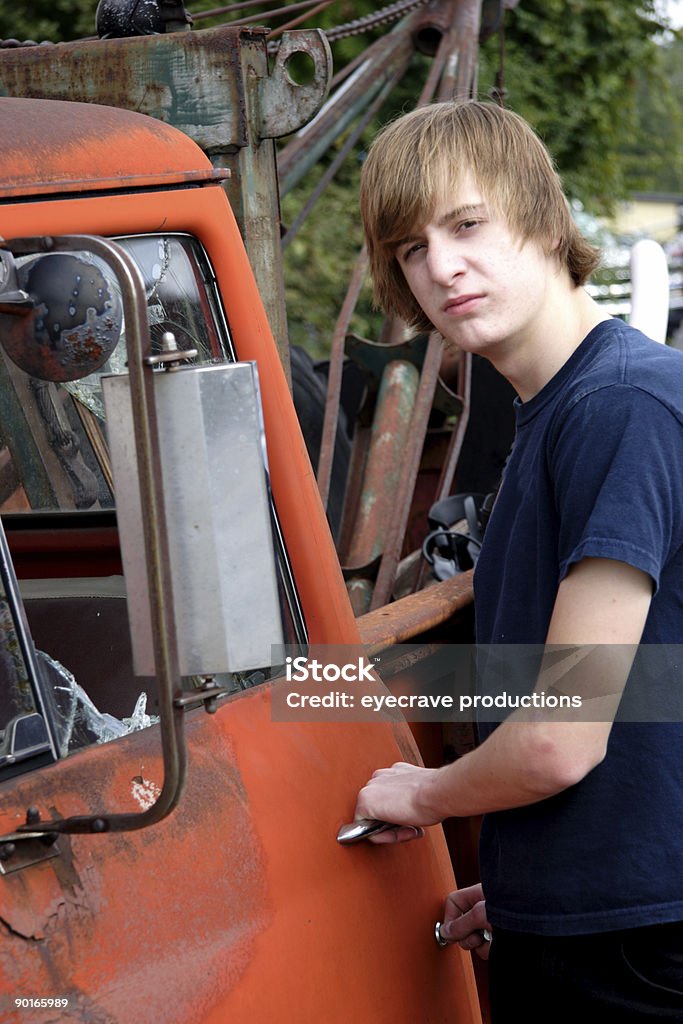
60 314
25 737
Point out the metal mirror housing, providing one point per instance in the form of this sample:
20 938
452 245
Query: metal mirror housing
60 314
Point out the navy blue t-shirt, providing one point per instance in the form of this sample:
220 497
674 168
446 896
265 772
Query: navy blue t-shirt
596 470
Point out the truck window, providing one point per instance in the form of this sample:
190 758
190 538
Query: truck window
16 696
54 465
181 298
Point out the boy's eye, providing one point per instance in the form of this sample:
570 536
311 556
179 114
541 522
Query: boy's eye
411 250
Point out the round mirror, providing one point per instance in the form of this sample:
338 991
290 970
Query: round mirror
76 319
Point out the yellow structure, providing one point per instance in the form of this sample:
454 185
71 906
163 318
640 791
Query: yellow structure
657 215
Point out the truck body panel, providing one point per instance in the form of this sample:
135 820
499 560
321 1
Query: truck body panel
240 905
123 149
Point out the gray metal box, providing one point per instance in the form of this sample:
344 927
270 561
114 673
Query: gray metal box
225 593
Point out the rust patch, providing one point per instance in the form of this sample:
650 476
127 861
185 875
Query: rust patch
83 922
410 616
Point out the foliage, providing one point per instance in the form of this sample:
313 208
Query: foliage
318 266
53 20
573 69
598 79
652 158
64 20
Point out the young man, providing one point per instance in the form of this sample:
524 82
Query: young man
469 234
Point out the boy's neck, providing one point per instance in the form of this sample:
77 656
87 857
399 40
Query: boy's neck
571 317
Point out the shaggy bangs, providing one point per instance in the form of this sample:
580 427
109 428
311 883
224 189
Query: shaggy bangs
419 160
405 176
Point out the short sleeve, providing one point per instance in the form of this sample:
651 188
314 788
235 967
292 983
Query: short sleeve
616 462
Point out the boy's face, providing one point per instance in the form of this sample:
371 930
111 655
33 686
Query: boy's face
481 288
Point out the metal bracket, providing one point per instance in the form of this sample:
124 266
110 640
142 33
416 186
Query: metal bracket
285 104
208 696
20 850
12 298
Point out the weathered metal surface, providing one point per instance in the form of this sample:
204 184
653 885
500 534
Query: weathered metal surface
360 594
73 323
273 105
393 54
212 915
217 87
186 79
431 24
86 148
254 196
191 80
410 464
410 616
459 81
334 380
390 435
458 434
285 105
368 538
354 482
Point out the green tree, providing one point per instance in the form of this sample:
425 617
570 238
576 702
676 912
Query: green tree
63 20
575 69
599 80
53 20
653 157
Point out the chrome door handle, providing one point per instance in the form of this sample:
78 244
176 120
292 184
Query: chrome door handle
361 829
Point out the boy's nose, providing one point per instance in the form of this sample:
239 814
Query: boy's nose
445 263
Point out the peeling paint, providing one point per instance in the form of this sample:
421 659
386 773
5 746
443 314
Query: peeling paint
145 792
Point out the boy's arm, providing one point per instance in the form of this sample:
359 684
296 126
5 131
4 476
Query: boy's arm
600 602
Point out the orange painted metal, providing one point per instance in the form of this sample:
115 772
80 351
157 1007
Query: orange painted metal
49 146
240 907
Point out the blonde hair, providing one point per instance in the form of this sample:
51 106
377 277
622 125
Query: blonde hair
421 157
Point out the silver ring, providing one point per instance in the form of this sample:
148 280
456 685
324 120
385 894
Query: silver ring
486 935
440 941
